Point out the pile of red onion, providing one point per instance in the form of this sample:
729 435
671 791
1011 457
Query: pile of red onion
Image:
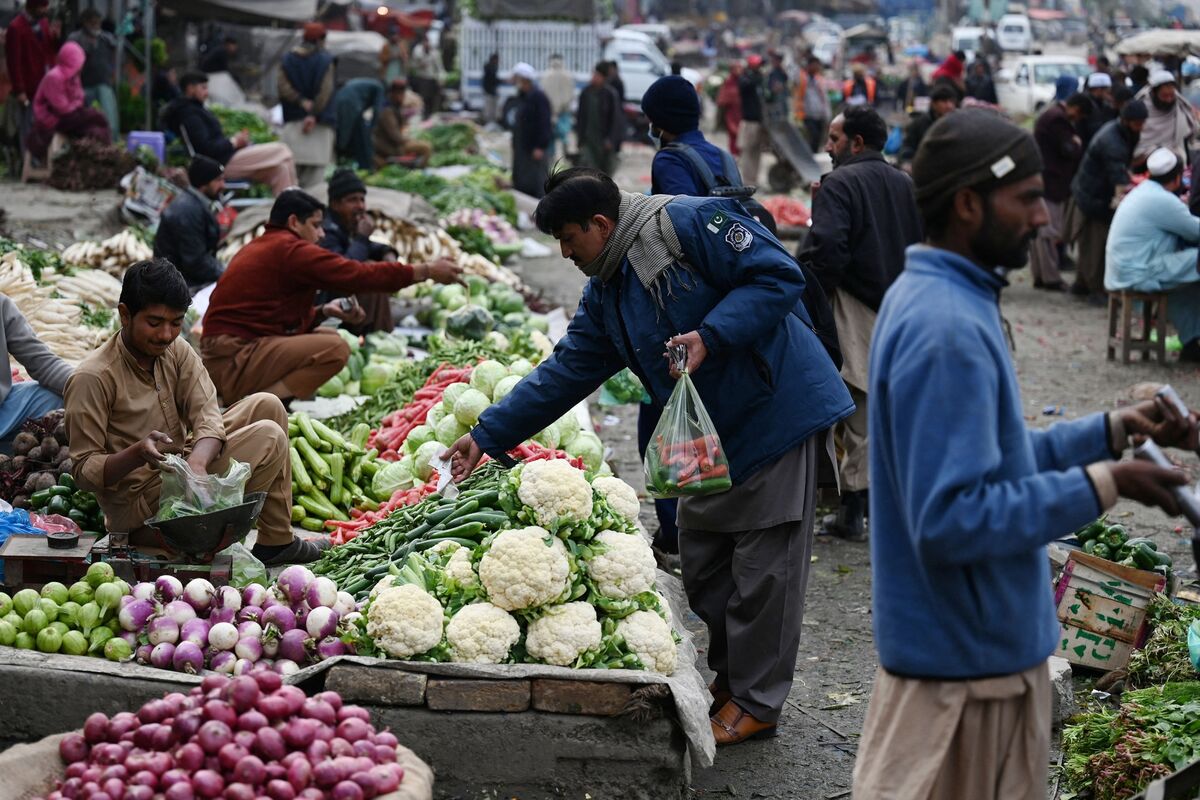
245 738
299 620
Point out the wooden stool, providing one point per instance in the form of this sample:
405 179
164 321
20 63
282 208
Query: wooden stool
1154 318
32 172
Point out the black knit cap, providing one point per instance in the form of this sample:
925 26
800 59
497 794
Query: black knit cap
204 170
672 104
344 182
971 148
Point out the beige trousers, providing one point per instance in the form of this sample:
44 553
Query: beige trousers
256 434
271 164
1043 256
751 138
303 362
855 324
985 739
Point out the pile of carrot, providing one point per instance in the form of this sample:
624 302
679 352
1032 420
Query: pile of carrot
395 428
694 466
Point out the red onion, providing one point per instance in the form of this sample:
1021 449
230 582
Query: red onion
272 706
332 698
347 790
363 764
245 739
386 738
383 754
172 777
136 792
220 711
208 783
367 782
281 617
105 754
213 683
386 779
299 773
91 774
267 681
299 733
95 728
242 693
187 724
161 762
223 662
199 594
293 583
357 712
162 629
250 770
353 729
76 770
346 765
325 774
190 757
339 747
162 655
318 751
251 720
188 657
239 791
154 711
73 747
143 737
144 778
270 744
180 791
122 723
365 748
319 710
135 615
213 735
179 611
230 755
119 771
168 588
311 793
294 696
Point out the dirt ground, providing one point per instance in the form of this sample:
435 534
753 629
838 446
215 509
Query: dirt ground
1060 358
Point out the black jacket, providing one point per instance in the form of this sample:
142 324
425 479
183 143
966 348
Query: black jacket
1056 139
750 87
188 235
1105 166
491 80
863 218
982 88
914 133
533 130
202 126
356 248
1101 115
611 120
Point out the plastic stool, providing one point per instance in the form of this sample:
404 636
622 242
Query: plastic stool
152 139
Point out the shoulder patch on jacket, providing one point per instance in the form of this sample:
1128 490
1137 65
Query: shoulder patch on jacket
717 221
739 237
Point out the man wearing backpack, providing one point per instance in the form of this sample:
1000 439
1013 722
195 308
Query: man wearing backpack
864 216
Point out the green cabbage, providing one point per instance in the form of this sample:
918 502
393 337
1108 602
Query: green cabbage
470 322
468 407
390 479
375 376
547 438
450 297
521 367
417 437
539 322
477 285
333 387
486 375
435 414
448 431
452 393
504 386
508 303
426 453
568 428
349 338
587 445
497 340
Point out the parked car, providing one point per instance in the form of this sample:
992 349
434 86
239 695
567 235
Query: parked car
1014 33
967 40
1027 85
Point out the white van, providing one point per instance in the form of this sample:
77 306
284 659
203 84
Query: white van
1015 33
966 39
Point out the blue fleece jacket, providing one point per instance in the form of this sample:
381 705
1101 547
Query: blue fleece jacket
964 497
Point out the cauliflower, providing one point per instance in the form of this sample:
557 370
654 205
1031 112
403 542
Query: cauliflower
623 566
649 637
563 634
555 492
482 634
620 497
384 583
460 569
405 621
525 568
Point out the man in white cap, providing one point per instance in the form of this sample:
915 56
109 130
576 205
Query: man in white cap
1172 121
1152 247
532 133
1098 87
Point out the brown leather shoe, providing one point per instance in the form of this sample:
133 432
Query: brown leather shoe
720 698
733 725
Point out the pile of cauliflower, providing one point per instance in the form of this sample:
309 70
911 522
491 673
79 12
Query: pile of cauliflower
571 584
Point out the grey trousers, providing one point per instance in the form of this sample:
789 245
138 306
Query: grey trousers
748 587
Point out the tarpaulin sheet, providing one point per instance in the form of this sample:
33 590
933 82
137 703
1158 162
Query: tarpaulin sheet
576 10
245 11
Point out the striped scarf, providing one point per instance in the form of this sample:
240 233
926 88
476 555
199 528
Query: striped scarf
653 249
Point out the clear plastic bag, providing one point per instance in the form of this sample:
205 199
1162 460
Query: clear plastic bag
247 569
186 494
684 456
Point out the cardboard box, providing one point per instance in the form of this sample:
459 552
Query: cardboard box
1102 610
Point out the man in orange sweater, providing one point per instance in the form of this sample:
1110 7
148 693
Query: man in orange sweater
261 331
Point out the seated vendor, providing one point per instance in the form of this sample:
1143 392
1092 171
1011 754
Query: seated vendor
26 399
388 138
1152 247
261 329
348 232
188 233
144 393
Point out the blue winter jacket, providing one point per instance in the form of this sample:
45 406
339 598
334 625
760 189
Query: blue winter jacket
964 497
767 382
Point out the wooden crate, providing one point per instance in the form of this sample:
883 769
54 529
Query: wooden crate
1102 610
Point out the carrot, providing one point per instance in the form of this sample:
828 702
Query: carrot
718 471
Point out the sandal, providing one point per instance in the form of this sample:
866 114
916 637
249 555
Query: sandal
300 551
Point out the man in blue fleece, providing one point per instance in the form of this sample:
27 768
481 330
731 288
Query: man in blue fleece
964 497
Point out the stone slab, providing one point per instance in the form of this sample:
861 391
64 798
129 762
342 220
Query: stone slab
1062 691
580 697
377 687
464 694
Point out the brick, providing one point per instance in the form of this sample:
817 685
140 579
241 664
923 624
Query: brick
375 686
597 698
477 695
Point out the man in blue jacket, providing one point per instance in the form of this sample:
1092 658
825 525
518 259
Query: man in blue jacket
964 497
701 274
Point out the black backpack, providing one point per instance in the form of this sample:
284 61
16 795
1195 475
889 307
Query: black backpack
814 309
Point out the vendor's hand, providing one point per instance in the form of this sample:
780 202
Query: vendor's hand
198 465
364 227
307 105
464 456
444 270
1149 484
241 139
1161 421
696 352
538 154
148 448
310 122
355 315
